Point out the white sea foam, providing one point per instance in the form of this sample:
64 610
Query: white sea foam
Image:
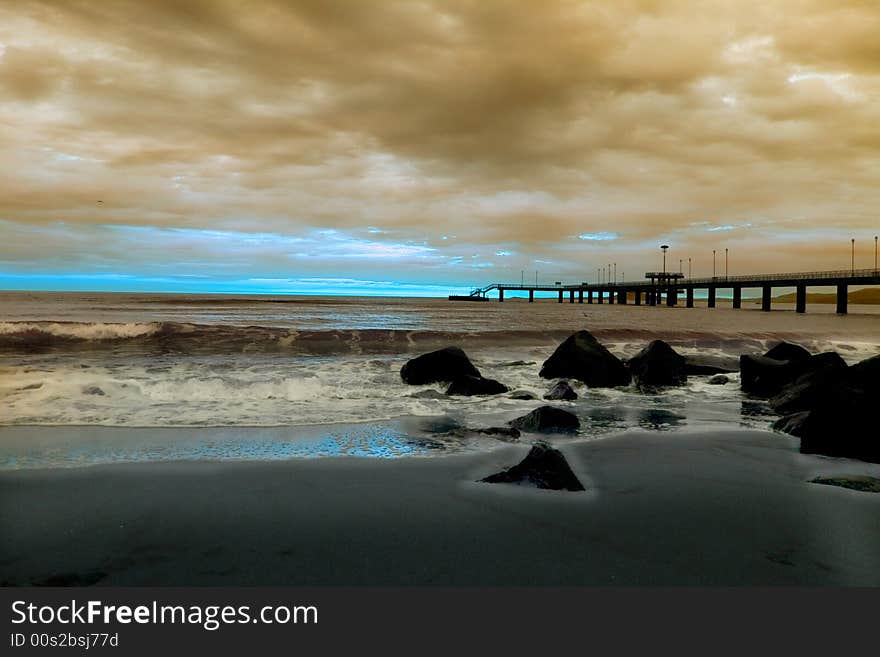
83 330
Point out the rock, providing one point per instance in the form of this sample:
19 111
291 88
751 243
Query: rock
699 364
547 419
543 467
805 391
518 363
521 394
427 394
475 385
562 391
787 351
501 432
719 380
93 390
442 365
766 377
865 374
582 357
843 423
861 483
658 364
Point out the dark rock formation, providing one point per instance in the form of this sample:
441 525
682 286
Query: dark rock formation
543 467
547 419
699 364
442 365
93 390
658 364
582 357
766 377
787 351
475 385
832 409
719 380
562 391
522 394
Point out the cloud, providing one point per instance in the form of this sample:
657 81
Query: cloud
534 131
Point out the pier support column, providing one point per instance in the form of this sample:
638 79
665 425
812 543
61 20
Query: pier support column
589 296
638 294
841 299
571 296
651 298
689 298
710 302
531 296
621 297
599 294
611 294
500 295
560 296
737 297
671 296
765 298
801 299
580 296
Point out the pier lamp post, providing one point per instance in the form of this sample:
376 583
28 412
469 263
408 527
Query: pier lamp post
680 269
664 247
725 262
615 273
875 253
852 256
689 267
713 263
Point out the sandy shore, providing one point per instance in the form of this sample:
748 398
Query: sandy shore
731 507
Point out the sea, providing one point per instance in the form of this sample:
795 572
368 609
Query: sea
90 378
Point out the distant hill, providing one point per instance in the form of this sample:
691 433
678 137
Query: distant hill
868 295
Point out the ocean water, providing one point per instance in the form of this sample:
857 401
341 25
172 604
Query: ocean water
250 363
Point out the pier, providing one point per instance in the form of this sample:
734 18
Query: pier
666 288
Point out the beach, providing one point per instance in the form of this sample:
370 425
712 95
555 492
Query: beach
197 440
730 507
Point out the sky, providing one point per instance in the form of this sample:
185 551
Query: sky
419 147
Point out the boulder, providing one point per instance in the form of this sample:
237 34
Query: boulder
547 419
522 395
562 391
843 425
699 364
719 380
832 409
582 357
787 351
442 365
658 364
543 467
766 377
475 385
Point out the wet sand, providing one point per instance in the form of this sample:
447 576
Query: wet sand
731 507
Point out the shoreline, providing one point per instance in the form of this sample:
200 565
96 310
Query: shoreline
690 507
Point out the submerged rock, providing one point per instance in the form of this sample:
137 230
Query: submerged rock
93 390
718 380
547 419
658 364
562 391
475 385
445 364
501 432
582 357
861 483
543 467
699 364
787 351
522 394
